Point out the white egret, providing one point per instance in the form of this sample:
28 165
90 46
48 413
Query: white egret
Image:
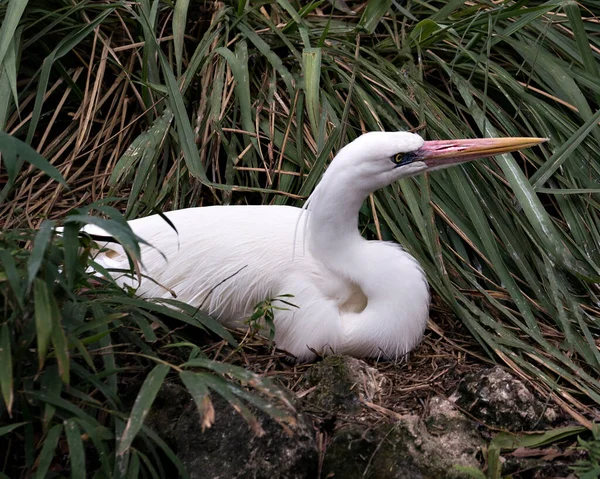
353 296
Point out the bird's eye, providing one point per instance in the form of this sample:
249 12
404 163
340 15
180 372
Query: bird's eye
402 159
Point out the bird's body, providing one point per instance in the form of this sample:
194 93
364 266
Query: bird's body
227 259
352 296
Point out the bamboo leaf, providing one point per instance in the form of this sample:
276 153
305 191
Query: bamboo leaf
8 79
311 66
507 440
238 63
273 58
579 33
4 430
47 452
179 23
43 318
141 408
10 269
122 234
373 14
545 172
40 245
6 371
14 152
76 449
197 387
10 22
59 342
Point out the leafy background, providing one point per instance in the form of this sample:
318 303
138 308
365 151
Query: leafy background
167 105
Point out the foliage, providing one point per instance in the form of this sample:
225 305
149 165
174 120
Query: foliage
263 317
590 467
82 360
493 469
508 440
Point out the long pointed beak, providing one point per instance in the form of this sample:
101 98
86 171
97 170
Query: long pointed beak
441 153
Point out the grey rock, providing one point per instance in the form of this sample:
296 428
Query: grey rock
230 449
497 398
410 448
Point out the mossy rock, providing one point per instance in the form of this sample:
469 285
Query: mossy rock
340 382
410 448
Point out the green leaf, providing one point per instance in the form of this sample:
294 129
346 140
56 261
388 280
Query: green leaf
493 461
262 384
122 233
264 48
311 68
422 32
448 7
10 22
238 63
43 318
509 440
76 449
141 408
10 428
203 319
179 23
581 37
51 385
47 452
59 342
8 79
140 158
470 471
6 370
556 73
70 236
226 392
197 387
40 245
373 14
181 471
10 269
545 172
300 22
133 471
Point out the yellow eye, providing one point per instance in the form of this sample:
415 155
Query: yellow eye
398 158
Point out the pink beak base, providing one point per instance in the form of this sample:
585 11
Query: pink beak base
438 153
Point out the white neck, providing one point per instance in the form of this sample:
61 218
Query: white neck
394 284
333 218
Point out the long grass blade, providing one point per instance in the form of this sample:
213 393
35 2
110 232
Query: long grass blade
6 371
140 410
47 452
10 23
76 449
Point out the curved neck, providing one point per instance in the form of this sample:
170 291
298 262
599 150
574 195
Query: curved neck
333 219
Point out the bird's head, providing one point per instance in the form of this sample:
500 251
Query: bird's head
380 158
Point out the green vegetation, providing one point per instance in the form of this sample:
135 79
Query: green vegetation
263 317
590 468
173 104
75 349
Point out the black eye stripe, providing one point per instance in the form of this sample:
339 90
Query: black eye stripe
402 159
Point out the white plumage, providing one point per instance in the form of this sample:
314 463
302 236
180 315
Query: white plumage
356 297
